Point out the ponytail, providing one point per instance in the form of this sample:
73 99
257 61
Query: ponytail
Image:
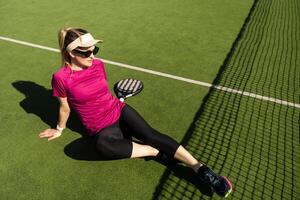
65 37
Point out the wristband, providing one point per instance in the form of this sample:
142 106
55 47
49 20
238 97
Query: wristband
59 128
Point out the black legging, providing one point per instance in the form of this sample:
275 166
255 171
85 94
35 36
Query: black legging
115 141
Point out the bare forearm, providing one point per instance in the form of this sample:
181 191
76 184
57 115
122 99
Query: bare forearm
64 113
63 117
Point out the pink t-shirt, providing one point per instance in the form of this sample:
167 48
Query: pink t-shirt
88 94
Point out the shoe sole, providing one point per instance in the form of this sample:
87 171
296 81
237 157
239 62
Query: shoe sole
230 186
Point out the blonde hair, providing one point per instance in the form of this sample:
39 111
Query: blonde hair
65 37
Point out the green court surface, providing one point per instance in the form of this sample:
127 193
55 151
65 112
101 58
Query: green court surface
250 46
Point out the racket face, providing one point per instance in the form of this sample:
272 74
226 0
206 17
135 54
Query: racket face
128 87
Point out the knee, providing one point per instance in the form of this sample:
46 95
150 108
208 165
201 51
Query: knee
111 148
104 147
153 137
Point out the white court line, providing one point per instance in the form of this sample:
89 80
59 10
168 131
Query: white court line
218 87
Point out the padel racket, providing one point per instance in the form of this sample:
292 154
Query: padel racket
127 87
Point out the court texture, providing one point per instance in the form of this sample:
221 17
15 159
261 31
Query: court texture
222 77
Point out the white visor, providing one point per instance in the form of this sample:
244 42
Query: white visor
85 40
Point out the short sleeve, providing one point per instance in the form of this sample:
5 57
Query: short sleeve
101 65
58 87
104 72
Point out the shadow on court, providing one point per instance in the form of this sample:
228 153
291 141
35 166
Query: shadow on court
39 101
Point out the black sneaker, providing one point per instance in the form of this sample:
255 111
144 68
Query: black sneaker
220 184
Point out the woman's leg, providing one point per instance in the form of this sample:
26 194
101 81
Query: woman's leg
139 128
142 131
184 156
111 144
142 150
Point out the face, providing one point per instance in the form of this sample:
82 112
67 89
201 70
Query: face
83 56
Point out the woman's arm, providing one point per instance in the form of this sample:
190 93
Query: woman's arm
64 113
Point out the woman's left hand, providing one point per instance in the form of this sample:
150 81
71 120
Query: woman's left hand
50 134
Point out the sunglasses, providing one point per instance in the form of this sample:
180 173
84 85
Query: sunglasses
87 54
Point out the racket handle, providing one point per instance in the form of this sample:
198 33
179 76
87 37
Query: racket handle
124 97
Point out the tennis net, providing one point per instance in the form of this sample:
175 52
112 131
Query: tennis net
255 143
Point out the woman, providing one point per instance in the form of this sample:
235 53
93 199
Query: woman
81 84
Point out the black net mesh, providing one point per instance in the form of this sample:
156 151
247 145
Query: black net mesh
254 142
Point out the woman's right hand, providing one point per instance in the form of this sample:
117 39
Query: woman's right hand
50 134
